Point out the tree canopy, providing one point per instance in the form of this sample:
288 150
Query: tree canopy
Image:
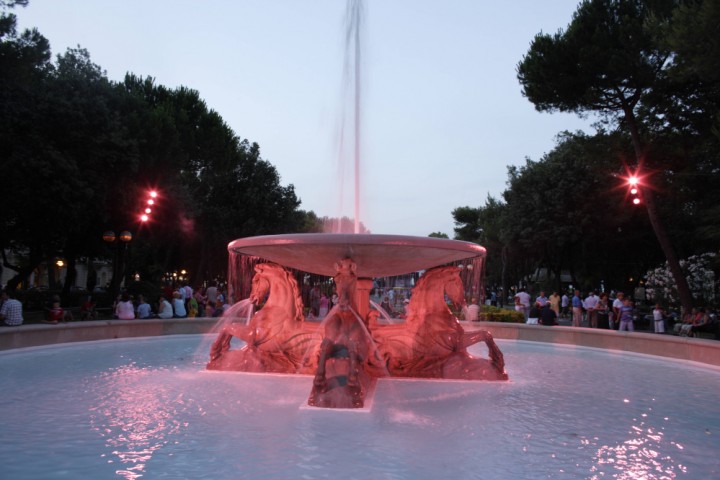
78 151
631 62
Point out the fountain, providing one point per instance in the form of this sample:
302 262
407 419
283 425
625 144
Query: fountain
350 349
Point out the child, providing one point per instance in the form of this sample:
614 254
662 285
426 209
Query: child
626 316
55 314
659 319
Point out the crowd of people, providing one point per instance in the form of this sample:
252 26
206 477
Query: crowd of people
616 312
176 301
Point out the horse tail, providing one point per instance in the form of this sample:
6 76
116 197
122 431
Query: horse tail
496 356
220 346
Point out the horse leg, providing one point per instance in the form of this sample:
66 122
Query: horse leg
496 356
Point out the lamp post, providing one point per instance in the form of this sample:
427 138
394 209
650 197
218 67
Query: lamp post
120 242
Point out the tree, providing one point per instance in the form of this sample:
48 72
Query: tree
438 235
607 62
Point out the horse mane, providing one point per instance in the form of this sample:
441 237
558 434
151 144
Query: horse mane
296 295
430 275
289 279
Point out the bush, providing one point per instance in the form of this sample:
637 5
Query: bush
489 313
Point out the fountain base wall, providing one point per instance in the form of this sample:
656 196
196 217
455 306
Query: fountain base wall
680 348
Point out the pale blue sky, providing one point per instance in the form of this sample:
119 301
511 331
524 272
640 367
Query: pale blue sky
443 114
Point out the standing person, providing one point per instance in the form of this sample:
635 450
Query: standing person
11 310
522 299
200 299
616 306
164 308
541 299
659 318
124 309
577 307
212 292
626 316
534 314
590 305
315 301
602 311
554 301
564 305
192 307
471 312
187 294
324 306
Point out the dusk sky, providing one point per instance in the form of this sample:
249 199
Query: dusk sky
443 114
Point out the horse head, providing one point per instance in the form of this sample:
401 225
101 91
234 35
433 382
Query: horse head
345 282
261 283
454 287
430 290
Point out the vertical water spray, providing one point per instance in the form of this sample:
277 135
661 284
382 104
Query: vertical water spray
351 116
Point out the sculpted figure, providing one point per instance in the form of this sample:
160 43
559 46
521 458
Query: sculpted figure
432 343
276 338
347 358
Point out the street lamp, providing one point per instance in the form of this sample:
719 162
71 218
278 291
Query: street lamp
633 182
121 242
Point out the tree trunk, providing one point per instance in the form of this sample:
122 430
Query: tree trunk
649 200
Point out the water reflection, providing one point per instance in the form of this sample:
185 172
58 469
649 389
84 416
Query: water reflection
136 414
638 456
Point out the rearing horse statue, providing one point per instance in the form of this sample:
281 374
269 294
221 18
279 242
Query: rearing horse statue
432 343
347 360
275 338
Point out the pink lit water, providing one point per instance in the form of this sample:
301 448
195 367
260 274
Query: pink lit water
144 408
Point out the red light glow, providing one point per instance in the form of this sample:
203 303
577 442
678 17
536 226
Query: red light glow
636 201
633 180
144 218
153 193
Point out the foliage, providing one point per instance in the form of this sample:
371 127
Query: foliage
637 66
698 269
488 313
438 235
78 152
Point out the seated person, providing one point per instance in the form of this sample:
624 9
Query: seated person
165 310
143 308
53 309
55 314
702 323
87 309
547 315
534 315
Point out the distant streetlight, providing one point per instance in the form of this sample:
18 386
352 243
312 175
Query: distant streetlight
120 242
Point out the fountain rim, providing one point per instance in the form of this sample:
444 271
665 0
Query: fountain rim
376 255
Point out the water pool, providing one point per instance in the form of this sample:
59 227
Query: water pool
145 408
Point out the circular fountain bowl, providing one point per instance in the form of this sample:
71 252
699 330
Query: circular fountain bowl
374 255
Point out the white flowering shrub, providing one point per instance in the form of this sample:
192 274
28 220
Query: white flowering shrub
660 285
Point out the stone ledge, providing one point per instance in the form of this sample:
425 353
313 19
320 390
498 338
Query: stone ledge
41 334
661 345
681 348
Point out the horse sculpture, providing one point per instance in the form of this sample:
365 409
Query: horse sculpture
432 343
347 360
276 337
